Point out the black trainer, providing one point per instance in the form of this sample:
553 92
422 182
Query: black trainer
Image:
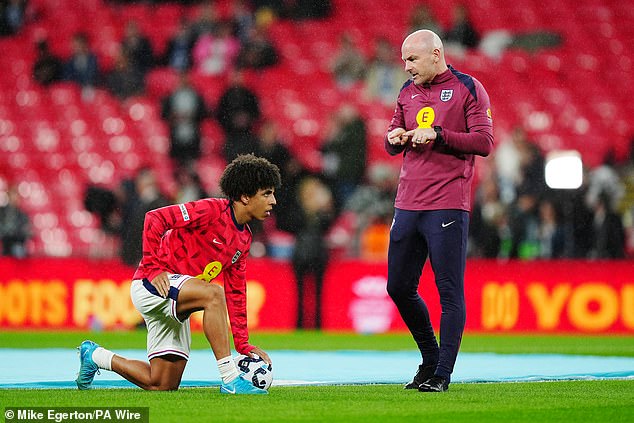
423 374
434 384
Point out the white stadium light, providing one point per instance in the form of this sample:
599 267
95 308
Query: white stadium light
564 169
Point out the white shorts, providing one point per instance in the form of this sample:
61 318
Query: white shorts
165 333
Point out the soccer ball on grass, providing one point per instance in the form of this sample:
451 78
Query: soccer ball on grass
255 370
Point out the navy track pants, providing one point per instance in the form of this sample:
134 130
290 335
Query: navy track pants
440 235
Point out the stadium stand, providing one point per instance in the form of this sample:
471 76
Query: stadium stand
54 143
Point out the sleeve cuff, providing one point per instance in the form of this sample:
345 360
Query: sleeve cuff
440 139
244 349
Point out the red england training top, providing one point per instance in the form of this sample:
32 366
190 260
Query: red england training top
438 175
202 239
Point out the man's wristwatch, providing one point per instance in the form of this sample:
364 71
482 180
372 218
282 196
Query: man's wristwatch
439 137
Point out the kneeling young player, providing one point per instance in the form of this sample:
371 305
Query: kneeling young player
186 246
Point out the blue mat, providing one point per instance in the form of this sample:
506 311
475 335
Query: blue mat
57 368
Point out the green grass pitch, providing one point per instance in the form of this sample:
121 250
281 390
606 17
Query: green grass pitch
587 401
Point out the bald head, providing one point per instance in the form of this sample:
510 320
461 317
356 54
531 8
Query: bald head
424 56
426 38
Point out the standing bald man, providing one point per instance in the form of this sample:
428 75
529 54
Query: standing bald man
441 122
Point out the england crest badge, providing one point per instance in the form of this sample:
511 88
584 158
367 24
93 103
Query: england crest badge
445 95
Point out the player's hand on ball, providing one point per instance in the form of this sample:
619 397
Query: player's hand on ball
257 351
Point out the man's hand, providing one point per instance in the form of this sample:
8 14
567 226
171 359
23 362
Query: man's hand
420 136
397 136
162 284
260 352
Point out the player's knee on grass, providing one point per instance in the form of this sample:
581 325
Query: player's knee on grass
166 373
166 386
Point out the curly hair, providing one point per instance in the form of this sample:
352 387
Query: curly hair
247 174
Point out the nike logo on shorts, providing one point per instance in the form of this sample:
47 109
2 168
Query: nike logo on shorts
215 241
444 225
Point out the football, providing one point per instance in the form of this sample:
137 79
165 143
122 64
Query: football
255 370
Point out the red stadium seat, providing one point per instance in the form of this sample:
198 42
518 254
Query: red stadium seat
160 82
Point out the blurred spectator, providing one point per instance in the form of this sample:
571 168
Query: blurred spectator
535 40
627 204
122 211
308 9
237 112
12 16
137 49
257 51
244 19
372 206
550 232
532 169
461 33
82 66
608 241
423 18
106 206
520 166
310 255
146 196
581 219
384 78
507 159
15 227
348 66
215 52
344 152
238 106
207 21
488 219
274 150
523 226
188 186
178 53
275 6
124 80
184 110
47 68
605 180
295 9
